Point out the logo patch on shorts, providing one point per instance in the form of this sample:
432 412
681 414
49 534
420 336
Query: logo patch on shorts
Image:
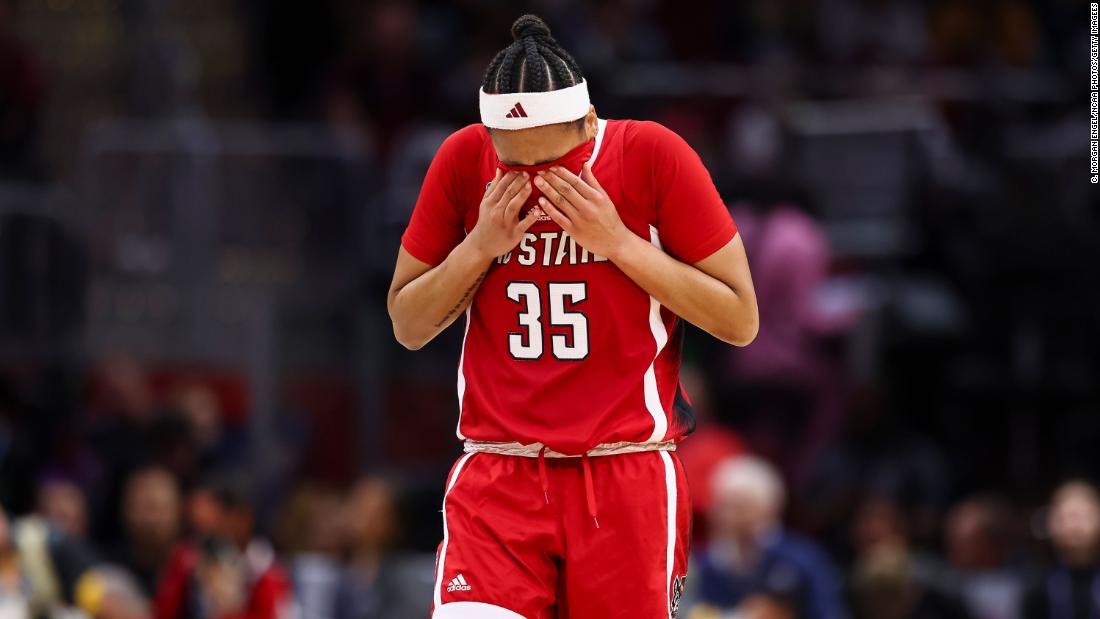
458 583
677 593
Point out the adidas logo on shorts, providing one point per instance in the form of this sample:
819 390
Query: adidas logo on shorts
458 583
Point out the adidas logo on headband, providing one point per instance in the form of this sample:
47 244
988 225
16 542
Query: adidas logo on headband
516 112
522 110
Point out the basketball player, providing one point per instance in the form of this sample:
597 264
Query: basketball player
575 247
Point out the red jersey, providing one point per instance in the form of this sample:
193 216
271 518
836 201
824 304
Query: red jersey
561 347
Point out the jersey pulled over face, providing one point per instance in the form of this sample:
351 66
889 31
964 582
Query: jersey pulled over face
561 347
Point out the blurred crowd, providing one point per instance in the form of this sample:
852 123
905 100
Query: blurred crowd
911 436
367 65
145 509
157 522
983 564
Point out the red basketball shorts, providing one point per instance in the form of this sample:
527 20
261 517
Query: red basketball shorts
563 539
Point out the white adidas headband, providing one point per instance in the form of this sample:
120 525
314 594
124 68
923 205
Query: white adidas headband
523 110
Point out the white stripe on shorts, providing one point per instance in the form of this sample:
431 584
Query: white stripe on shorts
446 533
670 549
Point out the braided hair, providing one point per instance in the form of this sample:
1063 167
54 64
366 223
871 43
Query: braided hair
534 62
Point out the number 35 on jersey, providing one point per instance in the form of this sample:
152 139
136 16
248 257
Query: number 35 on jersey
529 342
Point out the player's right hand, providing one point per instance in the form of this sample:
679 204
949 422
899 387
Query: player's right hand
499 228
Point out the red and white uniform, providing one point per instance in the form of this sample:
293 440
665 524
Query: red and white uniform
563 350
561 347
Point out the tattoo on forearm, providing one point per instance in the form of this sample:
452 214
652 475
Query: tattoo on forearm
462 301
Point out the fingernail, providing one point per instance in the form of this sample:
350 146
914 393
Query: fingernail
539 181
525 175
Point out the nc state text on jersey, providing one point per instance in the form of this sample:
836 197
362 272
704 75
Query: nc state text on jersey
549 249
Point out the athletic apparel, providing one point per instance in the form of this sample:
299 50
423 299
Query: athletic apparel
572 161
524 110
561 347
514 546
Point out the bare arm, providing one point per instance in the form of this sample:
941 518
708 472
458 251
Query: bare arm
424 300
715 294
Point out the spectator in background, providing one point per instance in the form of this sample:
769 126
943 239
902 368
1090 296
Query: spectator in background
797 380
791 381
42 570
880 468
375 87
766 607
311 530
750 554
21 99
379 582
123 412
151 514
15 589
978 541
885 586
890 580
1070 589
61 502
227 571
756 606
172 445
199 405
879 523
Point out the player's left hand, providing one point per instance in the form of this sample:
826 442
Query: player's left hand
582 208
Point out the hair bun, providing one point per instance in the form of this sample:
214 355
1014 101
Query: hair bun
529 26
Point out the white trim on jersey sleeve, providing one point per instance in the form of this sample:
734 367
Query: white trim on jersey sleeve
660 338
